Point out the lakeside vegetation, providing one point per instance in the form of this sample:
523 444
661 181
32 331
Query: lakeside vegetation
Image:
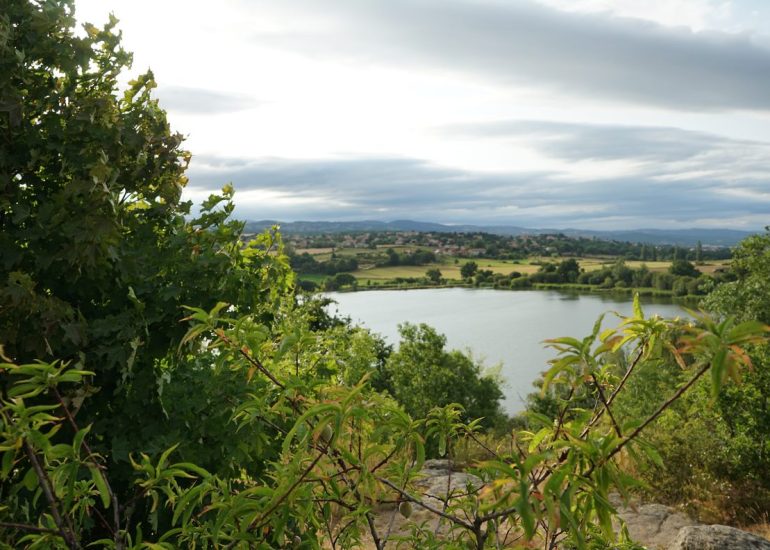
372 261
678 277
165 383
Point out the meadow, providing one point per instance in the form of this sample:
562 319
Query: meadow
450 266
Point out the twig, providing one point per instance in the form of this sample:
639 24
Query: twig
606 405
384 461
407 496
448 494
251 359
115 508
483 446
341 531
373 530
257 523
559 426
26 527
616 391
395 510
616 450
66 534
629 370
704 369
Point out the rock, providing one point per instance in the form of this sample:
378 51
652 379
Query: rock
717 537
434 487
435 479
653 525
441 464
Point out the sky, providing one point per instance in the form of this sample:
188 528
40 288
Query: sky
592 114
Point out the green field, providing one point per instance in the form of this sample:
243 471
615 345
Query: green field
451 270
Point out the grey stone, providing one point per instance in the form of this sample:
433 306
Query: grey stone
436 464
717 537
653 525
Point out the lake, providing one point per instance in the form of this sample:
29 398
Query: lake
496 326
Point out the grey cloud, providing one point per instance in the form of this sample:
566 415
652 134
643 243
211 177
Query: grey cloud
667 151
371 183
596 55
398 188
202 101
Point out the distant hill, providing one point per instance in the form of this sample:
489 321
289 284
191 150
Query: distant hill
682 237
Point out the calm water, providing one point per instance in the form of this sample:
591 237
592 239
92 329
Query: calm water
497 326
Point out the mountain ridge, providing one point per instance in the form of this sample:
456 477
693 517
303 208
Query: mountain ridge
683 237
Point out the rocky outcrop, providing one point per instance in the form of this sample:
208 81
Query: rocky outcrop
717 537
653 525
660 527
436 476
437 480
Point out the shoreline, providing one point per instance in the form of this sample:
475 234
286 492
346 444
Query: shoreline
568 287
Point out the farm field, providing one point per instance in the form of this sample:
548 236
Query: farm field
450 270
710 267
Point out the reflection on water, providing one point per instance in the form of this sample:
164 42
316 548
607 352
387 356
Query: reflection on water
501 327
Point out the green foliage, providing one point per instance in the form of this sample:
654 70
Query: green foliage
98 254
338 449
683 268
433 275
424 375
415 257
339 281
305 263
748 296
372 244
469 269
714 449
258 421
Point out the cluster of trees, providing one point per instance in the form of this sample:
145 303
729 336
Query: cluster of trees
563 245
422 374
471 273
682 278
257 421
414 257
306 264
340 280
503 247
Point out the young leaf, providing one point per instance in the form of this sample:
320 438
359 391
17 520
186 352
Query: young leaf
101 485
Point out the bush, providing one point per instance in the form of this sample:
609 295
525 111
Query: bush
424 375
521 282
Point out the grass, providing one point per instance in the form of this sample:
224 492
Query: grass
760 529
317 278
712 266
451 270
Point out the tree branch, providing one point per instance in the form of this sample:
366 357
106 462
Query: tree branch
407 496
616 391
606 405
115 508
42 479
30 528
251 359
254 525
704 369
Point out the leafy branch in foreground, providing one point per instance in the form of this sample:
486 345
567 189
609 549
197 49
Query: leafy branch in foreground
347 452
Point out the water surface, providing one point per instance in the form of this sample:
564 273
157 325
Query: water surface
498 326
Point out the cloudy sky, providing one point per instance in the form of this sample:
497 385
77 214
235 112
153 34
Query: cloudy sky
551 113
